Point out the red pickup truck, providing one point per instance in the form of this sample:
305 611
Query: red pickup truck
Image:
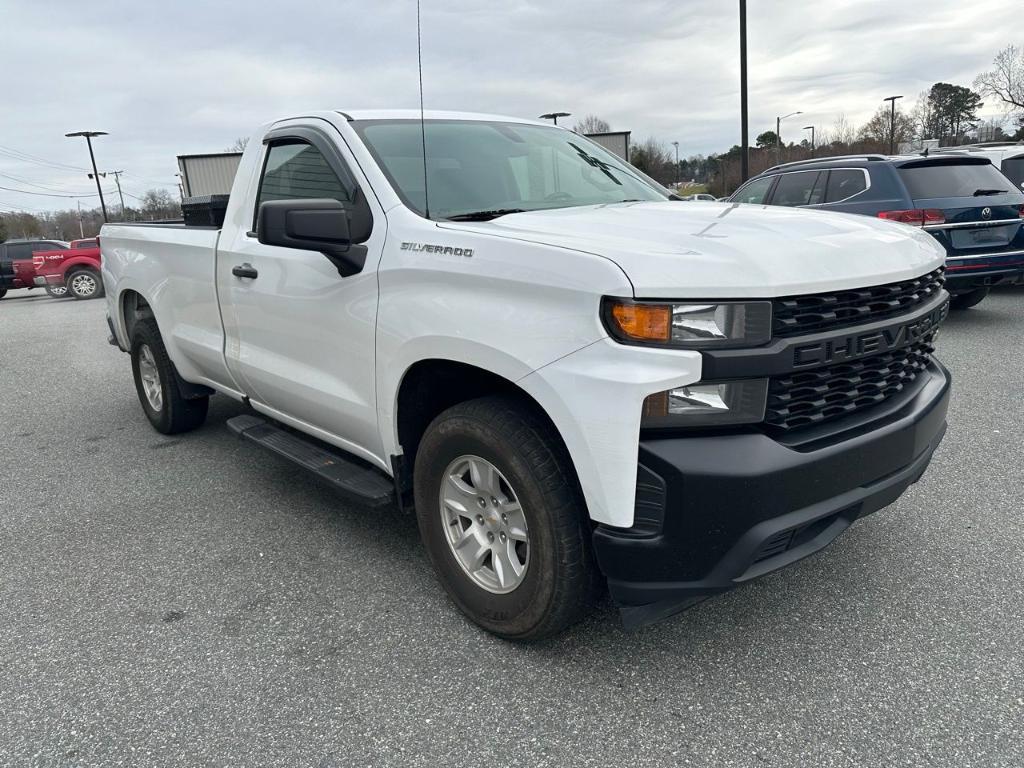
17 264
73 271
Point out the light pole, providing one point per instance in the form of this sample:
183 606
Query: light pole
811 129
676 145
778 135
88 140
554 116
744 136
892 124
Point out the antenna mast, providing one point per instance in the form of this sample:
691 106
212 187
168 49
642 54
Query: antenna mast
423 123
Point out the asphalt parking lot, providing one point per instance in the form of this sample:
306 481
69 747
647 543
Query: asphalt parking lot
194 601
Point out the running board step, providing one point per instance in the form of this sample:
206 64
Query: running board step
349 476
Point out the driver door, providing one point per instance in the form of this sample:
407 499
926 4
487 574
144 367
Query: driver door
299 338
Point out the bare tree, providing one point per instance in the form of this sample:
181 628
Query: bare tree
239 145
1005 80
592 124
923 117
653 158
880 126
842 131
159 204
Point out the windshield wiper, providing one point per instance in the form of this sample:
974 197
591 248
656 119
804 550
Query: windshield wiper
983 192
484 215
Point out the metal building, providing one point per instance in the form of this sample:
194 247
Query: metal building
616 142
211 174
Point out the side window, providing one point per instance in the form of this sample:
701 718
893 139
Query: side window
845 183
796 188
754 192
296 170
17 251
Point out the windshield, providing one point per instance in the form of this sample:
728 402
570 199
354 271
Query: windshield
490 168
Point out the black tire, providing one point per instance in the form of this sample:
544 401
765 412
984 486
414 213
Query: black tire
3 292
58 291
968 300
85 284
176 414
561 582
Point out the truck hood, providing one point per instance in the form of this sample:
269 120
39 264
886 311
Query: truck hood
728 250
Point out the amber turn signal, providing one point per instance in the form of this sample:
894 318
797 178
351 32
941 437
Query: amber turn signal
644 322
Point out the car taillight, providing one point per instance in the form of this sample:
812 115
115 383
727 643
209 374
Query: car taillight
919 217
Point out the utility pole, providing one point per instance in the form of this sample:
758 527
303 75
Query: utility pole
117 180
811 129
88 140
676 145
778 135
892 123
744 136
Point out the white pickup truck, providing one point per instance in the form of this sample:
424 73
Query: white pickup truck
576 381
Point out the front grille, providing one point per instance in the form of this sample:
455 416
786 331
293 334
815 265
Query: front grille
797 315
810 397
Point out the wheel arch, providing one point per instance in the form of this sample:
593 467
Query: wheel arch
430 386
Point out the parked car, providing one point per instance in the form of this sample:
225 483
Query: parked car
963 201
17 269
74 271
575 379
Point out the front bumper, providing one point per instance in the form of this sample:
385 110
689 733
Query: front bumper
738 506
44 280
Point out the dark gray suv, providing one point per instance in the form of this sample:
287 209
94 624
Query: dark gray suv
965 202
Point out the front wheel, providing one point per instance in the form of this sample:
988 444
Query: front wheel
57 291
3 292
156 383
969 299
503 521
85 284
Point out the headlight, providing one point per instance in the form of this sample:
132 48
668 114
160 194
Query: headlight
707 404
689 326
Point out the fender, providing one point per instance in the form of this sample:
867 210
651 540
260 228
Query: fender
416 350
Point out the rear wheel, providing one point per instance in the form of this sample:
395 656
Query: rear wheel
969 299
3 292
85 284
503 521
57 291
156 383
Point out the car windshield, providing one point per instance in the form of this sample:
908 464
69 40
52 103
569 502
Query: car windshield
481 169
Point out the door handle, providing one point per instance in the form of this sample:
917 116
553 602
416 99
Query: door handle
245 270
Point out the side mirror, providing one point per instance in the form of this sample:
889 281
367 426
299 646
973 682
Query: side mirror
323 225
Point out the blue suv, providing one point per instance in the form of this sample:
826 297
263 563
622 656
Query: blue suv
965 202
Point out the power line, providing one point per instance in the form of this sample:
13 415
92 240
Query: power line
16 209
26 157
53 195
21 180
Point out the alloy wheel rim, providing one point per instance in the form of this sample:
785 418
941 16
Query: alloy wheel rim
484 524
150 378
84 285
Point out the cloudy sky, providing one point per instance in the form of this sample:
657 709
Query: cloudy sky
172 78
